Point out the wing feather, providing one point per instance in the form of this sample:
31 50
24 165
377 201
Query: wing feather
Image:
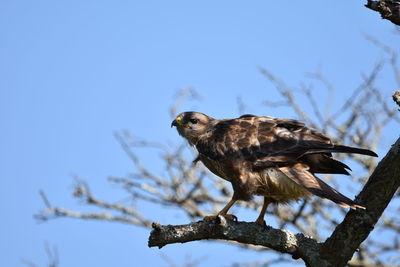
271 142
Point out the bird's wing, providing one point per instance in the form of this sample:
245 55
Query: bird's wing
261 138
271 142
299 174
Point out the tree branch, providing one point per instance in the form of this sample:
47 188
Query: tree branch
388 9
297 245
396 97
375 196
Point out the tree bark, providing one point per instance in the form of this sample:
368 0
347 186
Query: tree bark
388 9
297 245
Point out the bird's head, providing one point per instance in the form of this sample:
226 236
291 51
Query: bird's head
191 125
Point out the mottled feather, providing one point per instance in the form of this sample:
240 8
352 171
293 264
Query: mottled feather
273 157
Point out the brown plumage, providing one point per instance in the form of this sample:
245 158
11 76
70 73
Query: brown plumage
271 157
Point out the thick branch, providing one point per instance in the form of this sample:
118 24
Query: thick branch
388 9
357 224
298 245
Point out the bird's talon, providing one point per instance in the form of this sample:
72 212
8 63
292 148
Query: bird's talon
234 218
210 218
226 216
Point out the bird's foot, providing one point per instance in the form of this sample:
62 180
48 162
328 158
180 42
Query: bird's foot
260 222
226 216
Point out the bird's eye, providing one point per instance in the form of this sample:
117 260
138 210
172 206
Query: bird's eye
194 121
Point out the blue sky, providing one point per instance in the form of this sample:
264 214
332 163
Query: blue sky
72 72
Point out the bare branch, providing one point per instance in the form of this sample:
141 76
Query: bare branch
52 257
82 191
297 245
287 94
180 97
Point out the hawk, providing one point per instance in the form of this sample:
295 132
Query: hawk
266 156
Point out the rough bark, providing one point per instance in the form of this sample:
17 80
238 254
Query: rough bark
298 245
388 9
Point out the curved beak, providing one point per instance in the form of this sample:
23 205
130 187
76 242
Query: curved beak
174 123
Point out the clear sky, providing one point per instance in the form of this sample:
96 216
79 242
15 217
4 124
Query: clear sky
72 72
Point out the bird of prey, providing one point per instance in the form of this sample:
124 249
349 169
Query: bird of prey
266 156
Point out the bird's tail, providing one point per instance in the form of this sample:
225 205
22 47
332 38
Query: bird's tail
316 186
341 149
349 149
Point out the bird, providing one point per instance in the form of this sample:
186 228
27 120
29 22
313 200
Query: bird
266 156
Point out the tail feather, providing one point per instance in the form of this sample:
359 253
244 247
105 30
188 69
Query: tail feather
300 175
349 149
323 163
341 149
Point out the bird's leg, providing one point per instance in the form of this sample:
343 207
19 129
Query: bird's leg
224 212
260 219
